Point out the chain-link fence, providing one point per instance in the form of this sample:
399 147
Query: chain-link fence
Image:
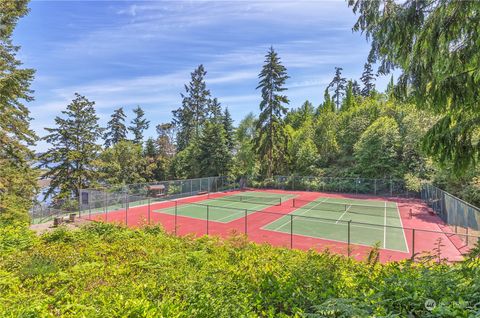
461 216
101 200
377 187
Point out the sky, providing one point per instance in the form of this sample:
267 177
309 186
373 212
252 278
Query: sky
129 53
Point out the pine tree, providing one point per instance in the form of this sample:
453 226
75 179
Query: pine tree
368 79
227 122
215 110
214 156
116 129
190 117
270 141
71 159
150 150
139 125
338 85
18 180
328 103
356 88
349 100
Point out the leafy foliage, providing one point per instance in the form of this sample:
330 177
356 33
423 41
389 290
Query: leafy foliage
435 43
377 149
108 271
124 163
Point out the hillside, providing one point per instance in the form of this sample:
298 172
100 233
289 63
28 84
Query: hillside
102 270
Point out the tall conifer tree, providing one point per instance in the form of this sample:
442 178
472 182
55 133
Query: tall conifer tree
215 110
368 79
270 141
71 159
18 179
116 129
214 157
190 117
338 84
227 122
139 125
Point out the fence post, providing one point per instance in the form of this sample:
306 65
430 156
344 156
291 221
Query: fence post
293 183
208 212
106 206
291 230
246 222
148 211
348 238
89 210
391 187
126 209
375 187
413 244
466 231
175 220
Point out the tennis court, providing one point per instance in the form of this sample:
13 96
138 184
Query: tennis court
328 218
226 208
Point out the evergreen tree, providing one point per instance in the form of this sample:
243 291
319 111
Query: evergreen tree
328 103
70 160
214 156
156 161
338 85
368 79
18 180
150 150
270 141
297 117
116 129
356 88
190 117
227 122
139 125
215 110
349 97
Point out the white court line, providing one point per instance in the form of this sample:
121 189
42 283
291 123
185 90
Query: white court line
324 200
401 224
341 216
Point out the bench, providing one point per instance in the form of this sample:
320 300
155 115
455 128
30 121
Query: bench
57 221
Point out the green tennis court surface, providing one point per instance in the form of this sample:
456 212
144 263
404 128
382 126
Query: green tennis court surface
333 225
228 208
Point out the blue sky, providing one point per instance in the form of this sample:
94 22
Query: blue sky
129 53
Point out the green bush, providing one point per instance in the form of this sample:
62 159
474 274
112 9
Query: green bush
107 271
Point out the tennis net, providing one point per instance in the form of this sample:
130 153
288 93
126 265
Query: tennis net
341 207
247 199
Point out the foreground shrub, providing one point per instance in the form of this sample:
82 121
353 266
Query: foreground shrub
108 271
